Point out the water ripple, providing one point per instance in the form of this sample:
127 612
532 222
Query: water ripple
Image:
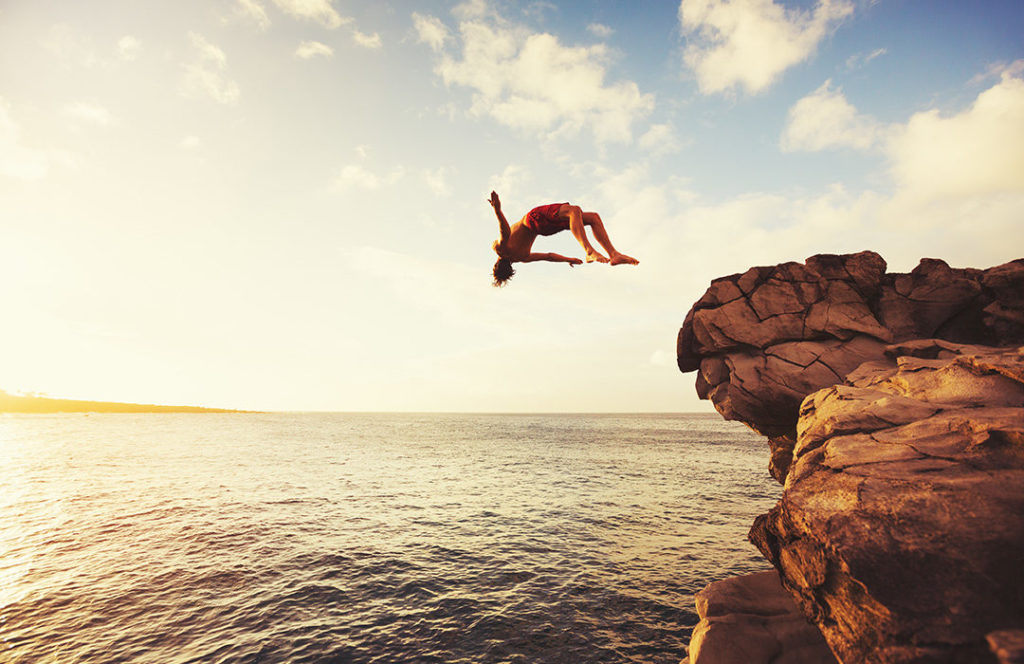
367 538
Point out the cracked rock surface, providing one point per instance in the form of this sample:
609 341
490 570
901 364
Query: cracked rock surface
894 408
901 527
763 340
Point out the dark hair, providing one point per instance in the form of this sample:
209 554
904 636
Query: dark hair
502 271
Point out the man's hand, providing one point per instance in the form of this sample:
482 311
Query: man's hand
495 201
573 262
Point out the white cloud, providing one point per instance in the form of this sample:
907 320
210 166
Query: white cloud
310 49
128 47
430 31
191 143
825 119
90 112
437 181
321 11
683 242
207 51
532 82
660 139
372 42
254 11
355 176
206 75
977 151
957 193
600 31
749 43
471 9
70 46
16 159
512 182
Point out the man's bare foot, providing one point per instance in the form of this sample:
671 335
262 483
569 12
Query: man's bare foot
594 256
623 259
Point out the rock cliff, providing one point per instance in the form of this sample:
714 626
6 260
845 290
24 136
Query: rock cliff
765 339
894 407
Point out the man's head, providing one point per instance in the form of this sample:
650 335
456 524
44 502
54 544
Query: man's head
502 271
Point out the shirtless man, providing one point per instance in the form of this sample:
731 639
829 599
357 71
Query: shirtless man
516 242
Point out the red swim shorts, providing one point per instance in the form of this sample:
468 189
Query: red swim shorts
545 221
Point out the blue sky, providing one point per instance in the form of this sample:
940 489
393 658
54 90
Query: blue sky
281 204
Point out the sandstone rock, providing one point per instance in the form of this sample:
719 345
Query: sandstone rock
901 527
1007 645
765 339
894 408
751 619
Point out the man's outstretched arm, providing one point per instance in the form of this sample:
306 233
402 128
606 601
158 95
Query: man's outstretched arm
553 258
496 204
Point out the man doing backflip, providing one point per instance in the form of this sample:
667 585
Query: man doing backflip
516 242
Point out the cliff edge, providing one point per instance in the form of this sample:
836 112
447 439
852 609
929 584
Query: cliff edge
894 409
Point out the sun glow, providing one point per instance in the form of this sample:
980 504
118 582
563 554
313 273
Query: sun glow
216 207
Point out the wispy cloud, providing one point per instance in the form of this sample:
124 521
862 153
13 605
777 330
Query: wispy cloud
311 49
750 43
532 82
472 9
254 11
512 182
321 11
660 139
371 42
858 60
430 31
600 30
998 70
437 181
70 46
16 159
207 73
356 176
128 47
90 112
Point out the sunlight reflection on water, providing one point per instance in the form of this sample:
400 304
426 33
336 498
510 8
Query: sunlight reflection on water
365 538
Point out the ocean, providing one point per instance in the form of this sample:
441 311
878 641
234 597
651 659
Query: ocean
352 538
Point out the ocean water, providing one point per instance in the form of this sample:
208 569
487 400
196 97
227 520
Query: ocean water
368 537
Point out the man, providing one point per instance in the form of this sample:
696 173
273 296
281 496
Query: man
516 242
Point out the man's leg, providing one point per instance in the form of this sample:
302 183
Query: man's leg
579 231
593 220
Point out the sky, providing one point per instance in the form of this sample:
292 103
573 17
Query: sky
282 204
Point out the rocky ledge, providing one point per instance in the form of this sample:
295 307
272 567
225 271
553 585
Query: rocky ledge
894 408
752 620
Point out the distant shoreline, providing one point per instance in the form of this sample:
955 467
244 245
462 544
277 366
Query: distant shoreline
10 403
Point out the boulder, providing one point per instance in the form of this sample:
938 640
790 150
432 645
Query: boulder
753 620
